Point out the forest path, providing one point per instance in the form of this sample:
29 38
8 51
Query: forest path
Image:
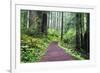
55 53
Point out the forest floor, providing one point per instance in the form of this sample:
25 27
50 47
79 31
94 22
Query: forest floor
55 53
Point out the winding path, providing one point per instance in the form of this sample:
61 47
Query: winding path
55 53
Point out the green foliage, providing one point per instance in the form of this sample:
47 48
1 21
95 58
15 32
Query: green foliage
32 48
73 52
69 39
69 36
53 35
27 54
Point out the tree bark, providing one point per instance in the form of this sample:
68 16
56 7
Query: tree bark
78 42
62 27
27 19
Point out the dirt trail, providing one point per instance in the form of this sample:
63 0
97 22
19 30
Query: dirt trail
55 53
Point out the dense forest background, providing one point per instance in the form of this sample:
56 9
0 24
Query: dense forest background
39 28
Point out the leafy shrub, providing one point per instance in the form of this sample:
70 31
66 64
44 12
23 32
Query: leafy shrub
53 35
69 38
32 48
27 55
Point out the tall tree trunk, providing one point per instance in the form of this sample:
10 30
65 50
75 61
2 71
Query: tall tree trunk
51 20
82 28
57 21
78 43
27 19
62 27
87 36
48 19
44 23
